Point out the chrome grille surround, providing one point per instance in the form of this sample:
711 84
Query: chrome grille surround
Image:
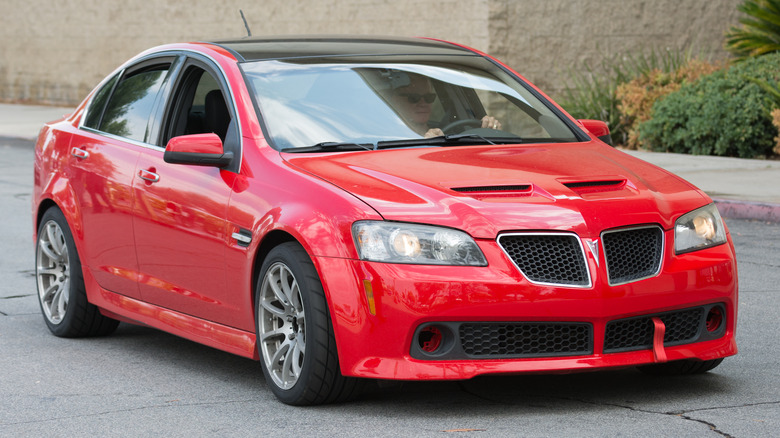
633 254
554 259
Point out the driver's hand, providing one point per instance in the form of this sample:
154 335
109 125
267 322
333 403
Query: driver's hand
435 132
490 122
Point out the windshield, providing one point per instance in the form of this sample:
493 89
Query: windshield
366 100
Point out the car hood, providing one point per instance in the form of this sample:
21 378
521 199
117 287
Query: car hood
484 190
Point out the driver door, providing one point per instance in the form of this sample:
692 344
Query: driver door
181 233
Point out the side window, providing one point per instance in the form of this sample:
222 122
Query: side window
99 103
127 112
200 106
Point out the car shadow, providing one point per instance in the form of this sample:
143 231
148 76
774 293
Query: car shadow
625 388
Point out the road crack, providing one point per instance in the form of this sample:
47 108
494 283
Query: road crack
16 296
684 414
766 265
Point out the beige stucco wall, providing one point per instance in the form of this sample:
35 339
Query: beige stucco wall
56 51
543 39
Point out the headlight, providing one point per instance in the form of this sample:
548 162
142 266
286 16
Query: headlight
701 228
394 242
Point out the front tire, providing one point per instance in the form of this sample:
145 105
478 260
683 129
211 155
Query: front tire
294 332
61 292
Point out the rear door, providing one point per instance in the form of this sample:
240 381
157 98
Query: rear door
104 153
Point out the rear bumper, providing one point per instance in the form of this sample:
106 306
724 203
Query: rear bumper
407 297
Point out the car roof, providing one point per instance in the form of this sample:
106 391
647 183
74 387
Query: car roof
285 47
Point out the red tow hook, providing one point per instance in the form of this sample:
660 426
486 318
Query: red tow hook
658 340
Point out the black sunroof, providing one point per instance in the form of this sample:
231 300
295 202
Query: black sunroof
257 48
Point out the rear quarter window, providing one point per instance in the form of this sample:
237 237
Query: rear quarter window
99 103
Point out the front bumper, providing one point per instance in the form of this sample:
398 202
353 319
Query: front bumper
385 343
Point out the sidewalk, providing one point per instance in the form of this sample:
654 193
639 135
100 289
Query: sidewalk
742 189
24 121
746 189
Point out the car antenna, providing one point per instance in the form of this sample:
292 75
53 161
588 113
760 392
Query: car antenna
249 32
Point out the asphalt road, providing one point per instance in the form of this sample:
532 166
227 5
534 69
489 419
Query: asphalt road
142 382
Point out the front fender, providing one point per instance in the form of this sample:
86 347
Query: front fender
274 203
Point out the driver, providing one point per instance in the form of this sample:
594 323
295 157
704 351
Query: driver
413 103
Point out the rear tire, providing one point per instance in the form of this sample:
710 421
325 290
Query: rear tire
61 292
295 334
680 367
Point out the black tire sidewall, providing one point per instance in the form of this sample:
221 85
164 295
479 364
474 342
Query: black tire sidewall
318 327
77 295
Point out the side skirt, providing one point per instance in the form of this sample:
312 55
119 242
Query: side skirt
128 309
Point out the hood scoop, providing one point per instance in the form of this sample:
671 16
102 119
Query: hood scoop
496 191
582 187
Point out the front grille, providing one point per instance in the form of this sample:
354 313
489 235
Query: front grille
633 254
548 258
629 334
503 340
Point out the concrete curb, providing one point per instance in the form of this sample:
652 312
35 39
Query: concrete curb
17 142
760 211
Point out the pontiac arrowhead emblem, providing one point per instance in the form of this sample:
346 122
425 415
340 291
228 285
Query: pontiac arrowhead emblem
594 248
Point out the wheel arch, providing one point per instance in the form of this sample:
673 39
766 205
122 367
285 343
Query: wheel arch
72 215
269 242
337 317
59 193
43 207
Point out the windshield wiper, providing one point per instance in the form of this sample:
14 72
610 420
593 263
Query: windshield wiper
447 140
332 146
442 140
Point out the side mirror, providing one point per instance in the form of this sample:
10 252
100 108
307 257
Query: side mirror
197 150
599 129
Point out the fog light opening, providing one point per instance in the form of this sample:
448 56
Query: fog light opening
430 339
714 319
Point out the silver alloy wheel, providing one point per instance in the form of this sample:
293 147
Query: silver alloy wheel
52 272
282 326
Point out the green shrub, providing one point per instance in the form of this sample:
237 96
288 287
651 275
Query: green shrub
776 122
773 90
592 92
720 114
638 96
591 95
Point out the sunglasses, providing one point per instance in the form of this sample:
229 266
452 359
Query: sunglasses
415 97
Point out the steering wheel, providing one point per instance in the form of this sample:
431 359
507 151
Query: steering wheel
463 124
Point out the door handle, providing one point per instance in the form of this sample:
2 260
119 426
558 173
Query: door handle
148 176
79 153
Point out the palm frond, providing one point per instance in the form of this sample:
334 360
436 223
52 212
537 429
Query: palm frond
760 30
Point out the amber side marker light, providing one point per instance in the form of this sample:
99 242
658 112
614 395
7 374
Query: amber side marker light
370 296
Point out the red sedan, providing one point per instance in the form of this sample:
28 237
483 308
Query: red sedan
350 208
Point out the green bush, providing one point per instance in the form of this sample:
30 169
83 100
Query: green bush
591 93
720 114
638 96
